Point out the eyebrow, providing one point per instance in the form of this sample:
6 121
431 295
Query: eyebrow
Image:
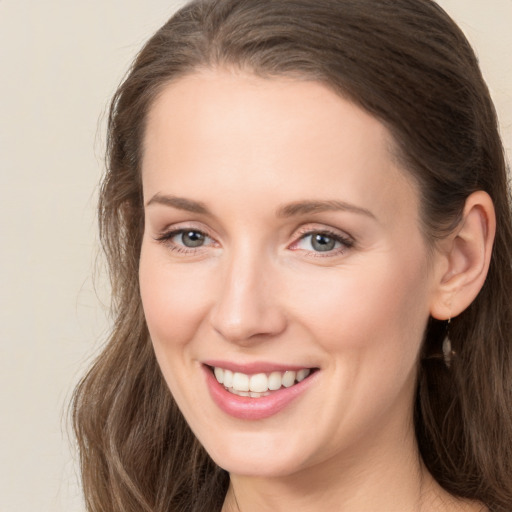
288 210
305 207
180 203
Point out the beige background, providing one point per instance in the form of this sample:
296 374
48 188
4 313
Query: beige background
60 62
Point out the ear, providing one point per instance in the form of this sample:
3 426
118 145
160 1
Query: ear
462 259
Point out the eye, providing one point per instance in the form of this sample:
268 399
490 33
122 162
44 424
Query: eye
184 240
323 242
190 238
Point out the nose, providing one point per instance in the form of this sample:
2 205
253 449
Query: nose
247 309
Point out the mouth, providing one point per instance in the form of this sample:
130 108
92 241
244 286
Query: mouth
257 391
258 385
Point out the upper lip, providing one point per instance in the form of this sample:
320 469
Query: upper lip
255 367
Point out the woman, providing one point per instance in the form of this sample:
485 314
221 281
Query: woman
309 235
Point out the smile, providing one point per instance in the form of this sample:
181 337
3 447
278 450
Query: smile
258 393
259 384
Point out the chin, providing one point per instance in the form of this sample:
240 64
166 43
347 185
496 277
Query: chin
258 455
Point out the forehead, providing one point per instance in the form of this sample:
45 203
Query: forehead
210 102
259 135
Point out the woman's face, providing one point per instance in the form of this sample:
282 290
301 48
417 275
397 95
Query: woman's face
281 242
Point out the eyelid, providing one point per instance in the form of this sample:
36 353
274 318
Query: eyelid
166 235
344 238
312 228
347 241
178 227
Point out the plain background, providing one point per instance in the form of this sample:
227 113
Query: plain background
60 62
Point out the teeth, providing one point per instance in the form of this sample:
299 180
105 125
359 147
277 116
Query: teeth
301 374
219 374
241 382
252 394
259 384
258 395
274 381
228 378
288 379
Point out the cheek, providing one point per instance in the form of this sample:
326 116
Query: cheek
174 299
369 322
381 308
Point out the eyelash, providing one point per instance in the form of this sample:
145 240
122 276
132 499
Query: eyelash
166 239
346 242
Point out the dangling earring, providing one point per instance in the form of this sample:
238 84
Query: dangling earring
447 347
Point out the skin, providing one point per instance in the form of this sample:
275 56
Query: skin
257 290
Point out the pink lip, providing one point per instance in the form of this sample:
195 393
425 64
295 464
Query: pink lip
253 368
247 408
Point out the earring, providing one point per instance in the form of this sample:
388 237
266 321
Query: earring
448 353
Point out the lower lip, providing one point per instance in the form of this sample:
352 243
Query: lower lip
247 408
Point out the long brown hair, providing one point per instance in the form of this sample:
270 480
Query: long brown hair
410 66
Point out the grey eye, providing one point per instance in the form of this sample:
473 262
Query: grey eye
192 238
322 243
